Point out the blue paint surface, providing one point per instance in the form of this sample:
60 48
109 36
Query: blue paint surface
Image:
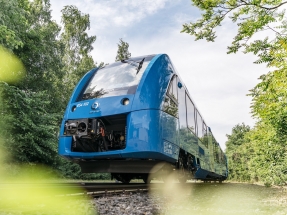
151 133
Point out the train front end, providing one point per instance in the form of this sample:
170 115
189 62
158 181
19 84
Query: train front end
112 121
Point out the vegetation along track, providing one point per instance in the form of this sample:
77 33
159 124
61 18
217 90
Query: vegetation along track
166 198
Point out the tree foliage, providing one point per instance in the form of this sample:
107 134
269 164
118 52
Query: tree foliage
261 154
260 157
123 51
251 17
12 23
31 109
28 109
33 134
237 136
235 149
77 46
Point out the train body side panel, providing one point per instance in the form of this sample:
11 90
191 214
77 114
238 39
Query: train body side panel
144 141
151 133
154 83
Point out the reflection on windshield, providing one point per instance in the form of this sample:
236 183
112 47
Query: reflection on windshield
94 94
119 78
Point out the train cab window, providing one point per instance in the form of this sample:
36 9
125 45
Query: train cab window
170 101
119 78
190 112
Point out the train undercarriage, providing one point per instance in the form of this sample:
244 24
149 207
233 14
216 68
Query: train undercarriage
126 170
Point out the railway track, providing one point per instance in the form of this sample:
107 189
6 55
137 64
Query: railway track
106 189
84 188
78 188
106 198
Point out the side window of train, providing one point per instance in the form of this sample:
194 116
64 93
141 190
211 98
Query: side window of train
215 150
223 158
199 124
172 89
190 114
205 135
170 101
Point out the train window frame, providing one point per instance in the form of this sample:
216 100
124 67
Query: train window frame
181 105
199 117
205 134
187 97
170 97
173 86
204 128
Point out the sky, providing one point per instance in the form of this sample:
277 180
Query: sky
218 82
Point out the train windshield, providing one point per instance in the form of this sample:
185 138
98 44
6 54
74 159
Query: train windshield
120 78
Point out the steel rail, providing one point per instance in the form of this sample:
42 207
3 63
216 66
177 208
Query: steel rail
78 188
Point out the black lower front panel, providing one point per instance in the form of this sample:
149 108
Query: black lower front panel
123 166
97 134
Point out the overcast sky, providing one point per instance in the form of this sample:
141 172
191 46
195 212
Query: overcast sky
217 82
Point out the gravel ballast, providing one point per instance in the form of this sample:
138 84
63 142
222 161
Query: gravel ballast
127 204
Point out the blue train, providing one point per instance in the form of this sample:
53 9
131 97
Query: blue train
135 117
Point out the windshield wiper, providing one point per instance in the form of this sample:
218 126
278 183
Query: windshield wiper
138 65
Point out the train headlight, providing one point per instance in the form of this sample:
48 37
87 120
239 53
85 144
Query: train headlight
125 101
74 108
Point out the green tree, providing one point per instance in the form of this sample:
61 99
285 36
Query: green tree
78 46
269 99
123 51
266 154
30 107
251 17
263 151
235 152
33 131
12 23
257 155
236 138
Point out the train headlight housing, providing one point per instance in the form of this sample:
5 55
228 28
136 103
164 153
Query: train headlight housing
74 108
82 127
71 128
125 101
76 127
